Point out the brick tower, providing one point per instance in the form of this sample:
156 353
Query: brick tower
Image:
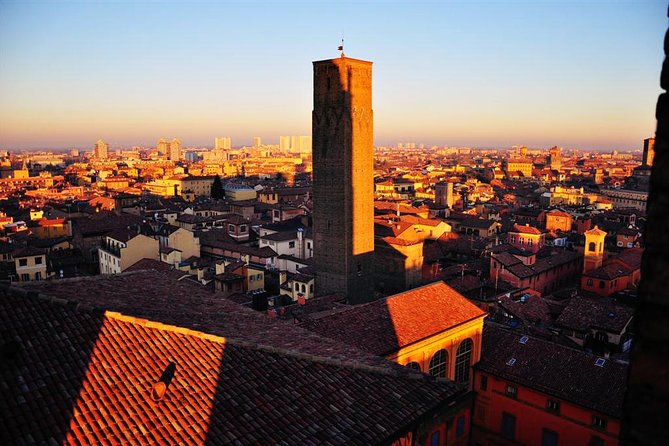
343 160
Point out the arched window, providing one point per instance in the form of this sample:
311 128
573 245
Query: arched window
462 361
591 247
438 364
414 365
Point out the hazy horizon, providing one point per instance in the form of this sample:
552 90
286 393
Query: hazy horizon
494 74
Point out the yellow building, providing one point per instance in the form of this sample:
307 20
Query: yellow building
518 165
123 248
594 249
432 328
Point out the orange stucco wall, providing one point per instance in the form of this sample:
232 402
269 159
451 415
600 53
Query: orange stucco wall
573 424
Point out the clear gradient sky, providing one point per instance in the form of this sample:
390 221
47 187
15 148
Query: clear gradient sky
497 73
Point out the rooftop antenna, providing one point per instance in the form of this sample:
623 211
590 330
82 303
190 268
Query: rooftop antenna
341 48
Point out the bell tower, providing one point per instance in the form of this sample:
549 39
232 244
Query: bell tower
594 249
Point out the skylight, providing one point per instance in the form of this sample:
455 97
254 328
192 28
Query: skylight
524 339
511 361
600 362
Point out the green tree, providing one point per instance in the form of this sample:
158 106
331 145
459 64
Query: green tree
217 191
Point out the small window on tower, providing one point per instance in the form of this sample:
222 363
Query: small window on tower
359 270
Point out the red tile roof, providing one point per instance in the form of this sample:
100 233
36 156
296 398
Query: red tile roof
595 231
166 297
81 377
384 326
556 370
525 229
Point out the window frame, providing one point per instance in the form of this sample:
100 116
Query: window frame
511 391
553 406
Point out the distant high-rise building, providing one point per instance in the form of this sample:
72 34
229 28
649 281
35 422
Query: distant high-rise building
163 146
343 188
296 143
257 141
223 143
101 150
284 142
175 150
648 151
303 144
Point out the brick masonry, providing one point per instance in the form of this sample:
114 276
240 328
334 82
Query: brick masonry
343 158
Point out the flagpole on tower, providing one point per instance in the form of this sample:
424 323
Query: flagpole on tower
341 48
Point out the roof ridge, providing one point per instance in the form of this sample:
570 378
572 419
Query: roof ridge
19 286
148 323
409 374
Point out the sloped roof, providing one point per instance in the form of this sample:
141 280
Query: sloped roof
525 229
556 370
87 378
384 326
162 296
595 231
583 313
609 271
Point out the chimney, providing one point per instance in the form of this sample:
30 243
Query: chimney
160 388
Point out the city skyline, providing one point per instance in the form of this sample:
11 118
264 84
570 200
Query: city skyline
480 75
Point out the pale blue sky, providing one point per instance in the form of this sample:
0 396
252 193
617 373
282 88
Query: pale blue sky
497 73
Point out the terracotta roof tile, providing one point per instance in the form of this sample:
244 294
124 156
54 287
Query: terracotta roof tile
556 370
583 313
384 326
525 229
87 377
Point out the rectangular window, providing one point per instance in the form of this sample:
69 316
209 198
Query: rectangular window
508 426
291 244
484 382
25 277
38 260
553 406
599 422
589 282
435 438
38 275
549 438
460 426
23 262
512 391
